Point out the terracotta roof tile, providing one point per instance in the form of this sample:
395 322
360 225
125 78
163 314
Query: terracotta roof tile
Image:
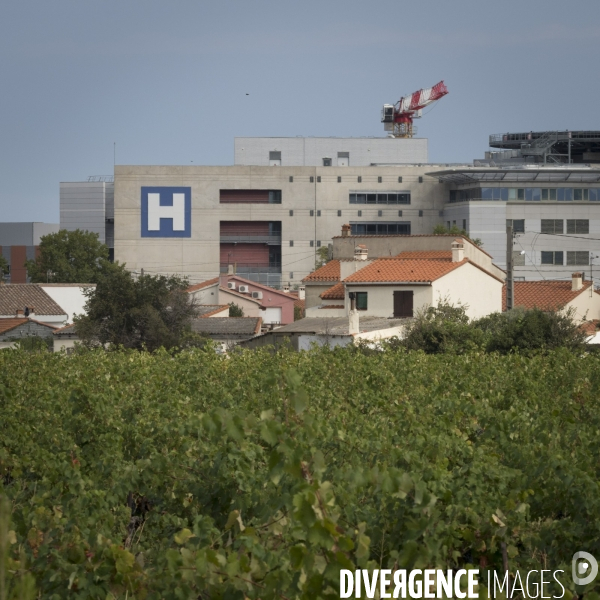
546 295
6 324
328 272
590 327
203 284
436 254
386 270
331 306
335 292
300 303
207 310
16 296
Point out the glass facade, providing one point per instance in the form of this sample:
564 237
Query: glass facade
380 228
528 194
379 197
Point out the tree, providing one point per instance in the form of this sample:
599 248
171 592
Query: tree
71 257
148 312
4 268
298 313
454 230
235 310
322 257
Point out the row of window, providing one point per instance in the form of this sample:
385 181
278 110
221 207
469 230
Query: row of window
530 194
359 213
556 226
380 228
380 198
574 257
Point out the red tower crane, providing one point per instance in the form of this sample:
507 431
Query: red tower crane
398 118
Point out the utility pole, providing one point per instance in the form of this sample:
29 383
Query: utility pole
510 288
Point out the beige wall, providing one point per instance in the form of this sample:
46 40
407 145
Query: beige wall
586 305
250 308
64 343
471 287
198 256
207 295
380 300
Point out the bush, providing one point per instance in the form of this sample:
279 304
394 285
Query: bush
235 310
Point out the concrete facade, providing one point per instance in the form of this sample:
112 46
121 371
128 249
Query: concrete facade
311 213
313 151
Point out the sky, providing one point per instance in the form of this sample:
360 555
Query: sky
174 82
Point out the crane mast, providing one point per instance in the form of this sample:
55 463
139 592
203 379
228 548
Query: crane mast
398 118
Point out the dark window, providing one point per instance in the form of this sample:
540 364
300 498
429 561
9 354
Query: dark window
250 196
552 258
465 224
312 243
318 179
312 179
275 155
360 213
380 228
518 225
441 213
318 213
403 304
379 180
291 243
399 213
578 226
420 179
291 274
552 226
362 300
339 213
318 243
564 194
580 194
578 257
371 198
379 198
291 179
326 162
382 198
548 193
291 213
399 179
380 213
312 213
420 213
359 179
339 179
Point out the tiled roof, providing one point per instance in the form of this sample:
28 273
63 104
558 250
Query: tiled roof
300 303
66 330
590 327
259 286
239 295
546 295
199 286
386 270
9 323
206 310
16 296
328 272
335 292
216 326
429 254
331 306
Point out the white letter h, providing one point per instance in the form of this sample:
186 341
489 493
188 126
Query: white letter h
156 212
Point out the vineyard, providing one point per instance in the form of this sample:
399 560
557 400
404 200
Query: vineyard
261 475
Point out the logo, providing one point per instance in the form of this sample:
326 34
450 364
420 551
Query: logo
166 212
585 568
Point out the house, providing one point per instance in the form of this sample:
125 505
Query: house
577 295
65 338
17 328
332 332
213 310
273 306
228 331
398 286
30 299
69 296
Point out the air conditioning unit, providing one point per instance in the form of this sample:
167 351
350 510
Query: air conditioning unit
257 295
231 285
244 289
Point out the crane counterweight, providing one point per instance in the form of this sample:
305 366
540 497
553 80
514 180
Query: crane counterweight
398 118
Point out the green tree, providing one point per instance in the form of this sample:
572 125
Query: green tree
235 310
322 257
298 313
4 269
70 257
148 312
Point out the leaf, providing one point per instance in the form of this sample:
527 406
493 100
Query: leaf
183 536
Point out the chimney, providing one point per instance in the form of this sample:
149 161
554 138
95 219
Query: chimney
458 250
346 230
301 293
286 289
361 252
576 281
230 270
353 323
19 314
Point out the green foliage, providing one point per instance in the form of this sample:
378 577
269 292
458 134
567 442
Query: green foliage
260 475
298 313
71 257
34 343
149 312
322 257
454 230
4 268
235 310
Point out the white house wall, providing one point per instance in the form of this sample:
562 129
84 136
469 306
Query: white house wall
586 305
380 301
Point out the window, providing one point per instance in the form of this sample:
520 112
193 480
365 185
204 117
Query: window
361 300
580 194
399 213
548 193
420 179
403 304
339 213
318 243
312 179
380 213
318 179
518 258
552 226
552 257
250 196
578 226
516 193
318 213
327 162
421 214
291 213
291 179
564 194
312 213
464 224
578 257
360 213
343 159
360 179
291 274
378 228
275 158
379 180
594 194
379 198
518 225
312 243
339 179
399 179
291 243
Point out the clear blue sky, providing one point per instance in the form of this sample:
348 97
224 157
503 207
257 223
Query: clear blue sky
167 80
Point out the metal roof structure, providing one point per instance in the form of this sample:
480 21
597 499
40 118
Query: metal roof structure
537 174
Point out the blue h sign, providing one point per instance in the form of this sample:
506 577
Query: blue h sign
166 212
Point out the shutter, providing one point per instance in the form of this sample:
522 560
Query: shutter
403 304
